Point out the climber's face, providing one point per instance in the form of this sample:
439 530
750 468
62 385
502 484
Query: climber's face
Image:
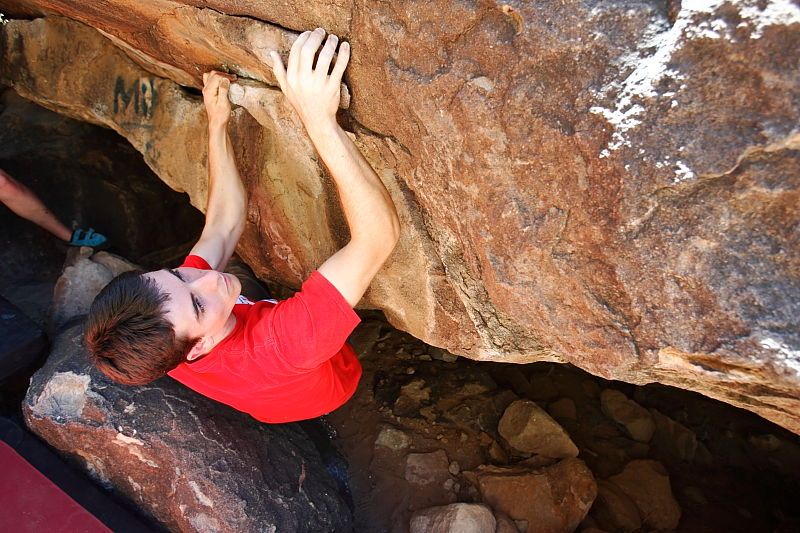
200 303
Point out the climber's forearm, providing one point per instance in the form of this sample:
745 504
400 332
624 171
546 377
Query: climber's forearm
367 206
227 202
226 206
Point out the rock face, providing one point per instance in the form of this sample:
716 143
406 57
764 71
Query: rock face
612 185
85 274
676 440
614 510
646 483
552 499
528 428
427 468
718 458
454 518
635 419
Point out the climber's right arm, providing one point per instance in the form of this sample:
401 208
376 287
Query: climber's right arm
368 208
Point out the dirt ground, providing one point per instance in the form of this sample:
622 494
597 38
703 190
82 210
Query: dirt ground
741 473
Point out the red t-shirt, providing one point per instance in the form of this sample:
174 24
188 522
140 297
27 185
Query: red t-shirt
283 361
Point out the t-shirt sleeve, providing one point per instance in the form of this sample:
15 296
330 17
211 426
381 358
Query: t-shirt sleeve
195 261
312 326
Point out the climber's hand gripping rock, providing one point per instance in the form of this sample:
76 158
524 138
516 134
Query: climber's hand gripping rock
215 97
312 91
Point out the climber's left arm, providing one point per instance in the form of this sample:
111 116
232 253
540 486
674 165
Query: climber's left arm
227 202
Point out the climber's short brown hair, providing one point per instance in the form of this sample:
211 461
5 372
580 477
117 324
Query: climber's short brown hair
128 335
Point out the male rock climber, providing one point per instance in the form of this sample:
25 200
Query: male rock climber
279 362
24 202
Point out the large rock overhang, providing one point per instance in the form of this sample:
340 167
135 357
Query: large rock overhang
614 186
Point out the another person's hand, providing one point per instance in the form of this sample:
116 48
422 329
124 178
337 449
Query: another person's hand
313 92
215 97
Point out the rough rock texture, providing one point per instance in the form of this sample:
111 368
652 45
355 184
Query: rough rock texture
676 440
528 428
609 184
635 419
85 274
192 464
614 510
756 465
427 468
553 499
505 524
454 518
646 483
393 439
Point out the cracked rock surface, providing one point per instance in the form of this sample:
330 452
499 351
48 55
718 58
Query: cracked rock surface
613 185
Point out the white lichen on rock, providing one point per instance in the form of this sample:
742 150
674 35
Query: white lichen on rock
63 397
786 355
124 439
708 29
134 485
133 446
783 12
96 469
647 65
204 523
682 173
201 497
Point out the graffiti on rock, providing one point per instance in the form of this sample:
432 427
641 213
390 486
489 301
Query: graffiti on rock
137 100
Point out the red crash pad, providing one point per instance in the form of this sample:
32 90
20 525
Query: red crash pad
29 502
